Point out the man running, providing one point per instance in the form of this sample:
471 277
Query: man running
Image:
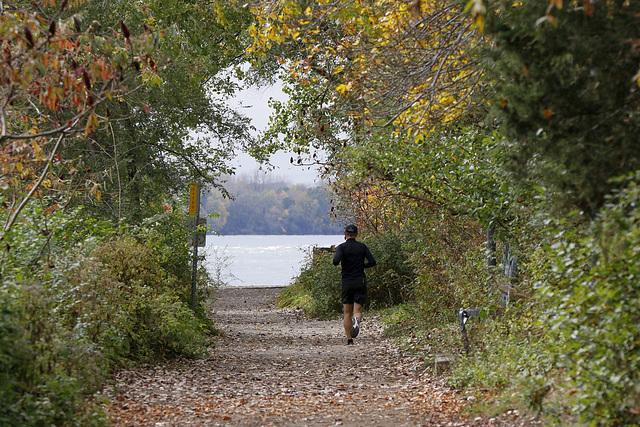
352 254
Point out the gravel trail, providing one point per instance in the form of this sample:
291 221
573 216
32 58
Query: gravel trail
275 367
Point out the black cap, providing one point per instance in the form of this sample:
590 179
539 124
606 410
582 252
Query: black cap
351 229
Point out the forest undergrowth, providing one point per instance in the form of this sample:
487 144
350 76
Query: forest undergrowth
100 299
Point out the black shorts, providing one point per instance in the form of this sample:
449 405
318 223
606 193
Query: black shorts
354 292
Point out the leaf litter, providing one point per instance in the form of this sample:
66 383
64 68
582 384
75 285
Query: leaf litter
275 367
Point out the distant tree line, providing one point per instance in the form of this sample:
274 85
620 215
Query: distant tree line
261 204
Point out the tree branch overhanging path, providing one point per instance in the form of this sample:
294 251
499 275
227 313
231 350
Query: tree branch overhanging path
276 367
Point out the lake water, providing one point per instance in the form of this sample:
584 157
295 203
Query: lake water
261 260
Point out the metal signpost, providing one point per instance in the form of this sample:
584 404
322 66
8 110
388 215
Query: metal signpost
197 228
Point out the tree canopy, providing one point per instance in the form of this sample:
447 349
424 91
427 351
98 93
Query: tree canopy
565 92
55 75
124 104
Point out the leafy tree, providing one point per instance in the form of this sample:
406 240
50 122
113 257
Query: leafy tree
215 205
370 84
565 92
54 76
392 93
382 64
179 127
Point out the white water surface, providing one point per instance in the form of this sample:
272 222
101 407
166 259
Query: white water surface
262 260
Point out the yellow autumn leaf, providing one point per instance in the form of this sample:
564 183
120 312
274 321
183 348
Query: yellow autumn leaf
446 100
37 150
271 34
479 23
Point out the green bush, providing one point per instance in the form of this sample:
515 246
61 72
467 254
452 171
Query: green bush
124 302
390 281
508 350
79 298
592 287
44 370
296 295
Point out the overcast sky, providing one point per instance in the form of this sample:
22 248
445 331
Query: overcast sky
254 103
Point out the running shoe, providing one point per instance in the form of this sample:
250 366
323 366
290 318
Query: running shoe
355 329
350 342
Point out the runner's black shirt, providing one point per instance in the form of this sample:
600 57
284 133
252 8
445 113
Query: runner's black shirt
352 255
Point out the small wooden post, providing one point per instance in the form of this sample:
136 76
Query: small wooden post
194 210
442 362
491 249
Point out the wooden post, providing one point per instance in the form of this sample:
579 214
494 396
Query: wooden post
492 262
491 249
194 210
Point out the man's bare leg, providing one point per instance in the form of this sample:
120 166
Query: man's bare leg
357 308
348 315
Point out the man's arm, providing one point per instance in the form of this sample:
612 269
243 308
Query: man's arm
337 256
371 261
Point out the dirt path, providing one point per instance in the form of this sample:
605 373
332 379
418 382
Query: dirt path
277 368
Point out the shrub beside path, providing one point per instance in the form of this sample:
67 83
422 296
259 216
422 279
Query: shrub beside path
275 367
